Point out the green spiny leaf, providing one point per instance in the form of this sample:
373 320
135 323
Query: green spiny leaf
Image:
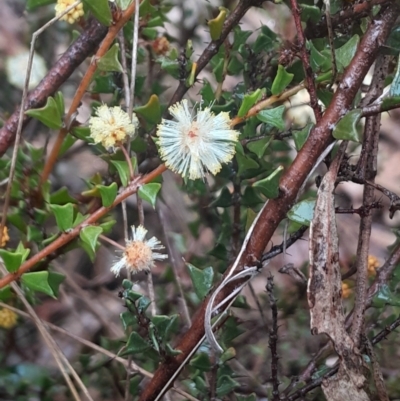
202 279
44 281
249 101
13 260
108 193
64 215
281 81
150 111
100 10
259 147
49 114
135 345
273 117
201 361
123 170
346 128
345 54
269 186
300 137
217 23
148 192
89 235
226 385
245 163
110 62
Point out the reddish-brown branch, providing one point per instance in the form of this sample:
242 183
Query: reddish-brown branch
305 58
83 47
290 183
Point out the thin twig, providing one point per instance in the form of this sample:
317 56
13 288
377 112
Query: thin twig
273 339
134 59
175 259
128 151
259 307
367 169
236 228
129 161
330 39
376 370
306 60
278 249
112 242
125 78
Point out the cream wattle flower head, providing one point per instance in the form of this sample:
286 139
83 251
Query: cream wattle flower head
139 254
112 126
72 15
194 144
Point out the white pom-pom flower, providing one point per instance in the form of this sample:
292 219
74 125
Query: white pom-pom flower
112 126
194 144
139 254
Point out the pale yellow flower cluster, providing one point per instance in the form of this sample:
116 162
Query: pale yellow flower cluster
373 264
5 237
72 15
139 253
346 290
112 126
8 318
